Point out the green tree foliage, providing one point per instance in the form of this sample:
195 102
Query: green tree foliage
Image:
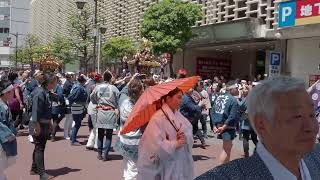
32 50
118 47
81 34
20 58
168 25
62 49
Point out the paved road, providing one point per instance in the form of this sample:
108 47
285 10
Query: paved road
67 162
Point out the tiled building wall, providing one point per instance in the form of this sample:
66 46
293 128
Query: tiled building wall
123 17
50 18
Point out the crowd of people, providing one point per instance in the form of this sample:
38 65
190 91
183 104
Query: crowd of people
248 109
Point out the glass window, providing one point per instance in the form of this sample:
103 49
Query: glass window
1 30
4 4
6 30
4 17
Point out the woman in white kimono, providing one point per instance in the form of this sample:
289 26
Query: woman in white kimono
165 150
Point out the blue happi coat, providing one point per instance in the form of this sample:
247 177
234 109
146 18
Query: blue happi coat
226 110
78 94
57 108
245 123
78 98
7 130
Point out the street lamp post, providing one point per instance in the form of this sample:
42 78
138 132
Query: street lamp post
80 5
16 53
102 30
95 34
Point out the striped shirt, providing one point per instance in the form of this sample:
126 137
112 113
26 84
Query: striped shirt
77 108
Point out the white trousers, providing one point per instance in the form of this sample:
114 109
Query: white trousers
93 139
67 125
130 169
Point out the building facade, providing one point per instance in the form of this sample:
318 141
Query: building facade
230 30
50 18
5 24
299 24
20 26
14 19
123 17
235 38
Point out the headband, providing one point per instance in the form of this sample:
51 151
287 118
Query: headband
232 86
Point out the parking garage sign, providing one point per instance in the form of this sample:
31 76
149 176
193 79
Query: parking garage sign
274 63
302 12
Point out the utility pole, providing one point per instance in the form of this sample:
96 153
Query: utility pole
80 6
17 35
95 29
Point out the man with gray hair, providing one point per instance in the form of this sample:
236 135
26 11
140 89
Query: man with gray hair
282 114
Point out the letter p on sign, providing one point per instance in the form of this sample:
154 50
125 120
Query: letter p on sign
287 14
275 58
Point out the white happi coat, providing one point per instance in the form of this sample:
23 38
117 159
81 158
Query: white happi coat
158 158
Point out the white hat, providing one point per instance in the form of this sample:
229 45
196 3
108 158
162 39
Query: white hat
71 73
256 83
156 77
59 75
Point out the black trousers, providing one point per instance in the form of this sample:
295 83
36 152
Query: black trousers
197 132
203 121
56 121
90 125
17 117
246 137
39 148
104 146
211 119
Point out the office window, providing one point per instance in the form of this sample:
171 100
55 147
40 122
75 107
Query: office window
6 30
4 17
4 4
1 30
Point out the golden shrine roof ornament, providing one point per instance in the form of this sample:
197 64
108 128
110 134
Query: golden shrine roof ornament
47 62
145 44
144 57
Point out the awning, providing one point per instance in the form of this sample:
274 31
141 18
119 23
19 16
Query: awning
246 30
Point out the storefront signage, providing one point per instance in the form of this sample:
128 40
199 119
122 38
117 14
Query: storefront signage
302 12
208 67
274 63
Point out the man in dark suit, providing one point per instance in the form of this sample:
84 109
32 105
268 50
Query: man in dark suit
282 114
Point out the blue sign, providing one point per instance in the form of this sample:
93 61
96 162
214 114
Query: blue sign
287 14
275 58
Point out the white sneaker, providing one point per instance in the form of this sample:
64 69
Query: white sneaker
30 138
67 138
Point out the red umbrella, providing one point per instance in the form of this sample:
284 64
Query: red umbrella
146 106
